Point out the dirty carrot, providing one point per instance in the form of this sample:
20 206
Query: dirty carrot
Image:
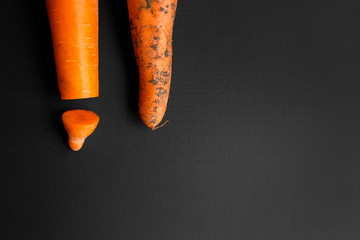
79 124
151 23
74 29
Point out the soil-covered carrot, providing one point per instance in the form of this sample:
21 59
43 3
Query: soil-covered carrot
151 23
74 29
79 124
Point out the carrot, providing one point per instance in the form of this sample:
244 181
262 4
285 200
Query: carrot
79 124
151 23
74 28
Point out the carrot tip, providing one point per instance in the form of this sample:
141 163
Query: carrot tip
79 124
76 143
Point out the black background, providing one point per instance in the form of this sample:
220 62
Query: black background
262 143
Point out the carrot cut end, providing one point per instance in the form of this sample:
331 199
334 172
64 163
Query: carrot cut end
79 124
78 97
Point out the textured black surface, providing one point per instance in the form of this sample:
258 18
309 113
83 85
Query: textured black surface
262 143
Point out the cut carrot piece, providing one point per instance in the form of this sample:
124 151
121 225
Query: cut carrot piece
74 29
79 124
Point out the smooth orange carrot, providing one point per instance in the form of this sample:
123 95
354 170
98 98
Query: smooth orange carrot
74 29
151 23
79 124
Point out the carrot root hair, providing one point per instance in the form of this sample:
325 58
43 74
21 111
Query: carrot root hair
160 126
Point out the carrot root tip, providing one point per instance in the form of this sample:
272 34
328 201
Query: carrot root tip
76 143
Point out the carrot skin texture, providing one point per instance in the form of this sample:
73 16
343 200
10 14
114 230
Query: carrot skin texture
74 30
79 124
151 23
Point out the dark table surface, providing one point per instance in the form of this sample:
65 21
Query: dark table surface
262 143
